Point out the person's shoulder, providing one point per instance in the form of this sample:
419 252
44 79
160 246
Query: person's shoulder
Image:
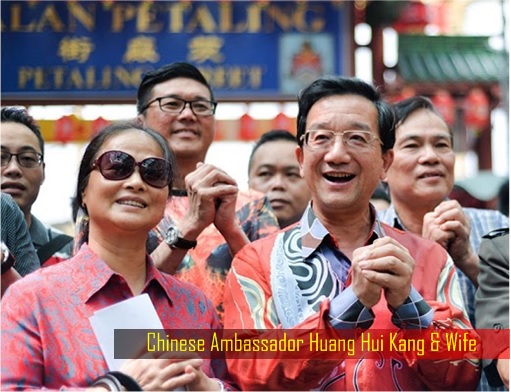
266 243
481 213
10 211
414 242
7 201
43 279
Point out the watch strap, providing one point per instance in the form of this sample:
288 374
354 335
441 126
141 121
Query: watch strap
184 244
174 240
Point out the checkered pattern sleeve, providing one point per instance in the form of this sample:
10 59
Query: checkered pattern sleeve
414 313
347 312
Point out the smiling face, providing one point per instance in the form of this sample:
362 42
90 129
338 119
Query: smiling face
22 183
275 172
423 168
342 180
188 135
128 205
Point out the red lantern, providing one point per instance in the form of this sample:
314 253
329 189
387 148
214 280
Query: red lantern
64 129
98 124
477 109
445 105
413 18
247 127
281 121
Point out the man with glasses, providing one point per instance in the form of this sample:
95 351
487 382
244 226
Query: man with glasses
340 269
207 219
22 176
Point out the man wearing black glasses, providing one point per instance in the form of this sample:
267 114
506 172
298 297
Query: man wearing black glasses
208 219
22 166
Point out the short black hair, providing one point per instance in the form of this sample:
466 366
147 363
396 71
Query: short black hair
164 73
271 136
407 106
19 114
338 85
95 145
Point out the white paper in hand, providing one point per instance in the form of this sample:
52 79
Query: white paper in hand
134 313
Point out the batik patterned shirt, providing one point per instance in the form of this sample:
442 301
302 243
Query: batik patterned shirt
47 338
481 223
299 279
206 265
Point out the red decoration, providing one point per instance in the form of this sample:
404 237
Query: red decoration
477 109
281 121
445 105
414 17
247 128
64 129
98 124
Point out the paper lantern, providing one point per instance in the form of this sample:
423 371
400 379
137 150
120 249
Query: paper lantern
476 109
445 105
247 127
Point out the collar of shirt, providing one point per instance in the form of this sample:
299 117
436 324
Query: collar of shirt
390 216
98 273
312 231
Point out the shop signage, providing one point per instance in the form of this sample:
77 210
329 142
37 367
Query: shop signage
87 50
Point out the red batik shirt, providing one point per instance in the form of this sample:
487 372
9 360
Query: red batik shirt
207 265
47 339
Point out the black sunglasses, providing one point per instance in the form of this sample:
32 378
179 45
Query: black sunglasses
118 165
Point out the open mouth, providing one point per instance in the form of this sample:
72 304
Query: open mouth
339 178
132 203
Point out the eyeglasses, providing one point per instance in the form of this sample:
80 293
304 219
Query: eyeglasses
354 140
118 165
174 105
25 159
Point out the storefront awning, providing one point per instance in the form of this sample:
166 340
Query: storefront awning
449 59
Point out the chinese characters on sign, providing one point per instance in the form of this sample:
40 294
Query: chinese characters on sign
100 49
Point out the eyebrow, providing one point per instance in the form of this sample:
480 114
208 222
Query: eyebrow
196 98
419 137
22 149
353 125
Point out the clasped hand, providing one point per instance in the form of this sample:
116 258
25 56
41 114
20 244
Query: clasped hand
212 197
386 266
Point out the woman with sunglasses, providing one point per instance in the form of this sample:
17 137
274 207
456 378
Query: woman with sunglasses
47 340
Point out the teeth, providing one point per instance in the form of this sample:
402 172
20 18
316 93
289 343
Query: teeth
339 175
132 203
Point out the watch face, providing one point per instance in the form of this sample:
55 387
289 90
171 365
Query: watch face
171 236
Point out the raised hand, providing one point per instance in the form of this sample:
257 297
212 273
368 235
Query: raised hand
387 264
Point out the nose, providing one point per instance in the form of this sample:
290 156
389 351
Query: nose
278 181
338 153
13 167
428 154
187 110
135 181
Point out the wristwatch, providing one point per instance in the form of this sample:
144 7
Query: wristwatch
7 258
173 239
